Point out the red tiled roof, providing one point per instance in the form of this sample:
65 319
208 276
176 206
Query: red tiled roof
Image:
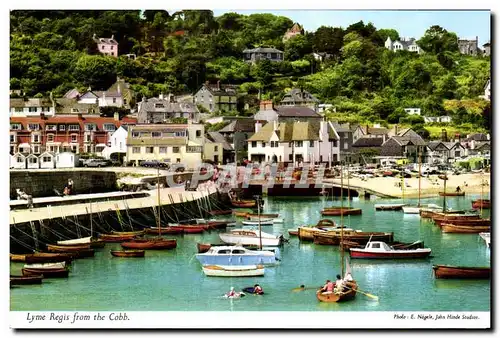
66 119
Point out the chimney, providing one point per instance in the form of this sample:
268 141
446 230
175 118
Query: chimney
366 129
218 84
266 105
258 125
275 125
112 36
116 116
444 136
396 130
161 96
93 36
488 137
143 98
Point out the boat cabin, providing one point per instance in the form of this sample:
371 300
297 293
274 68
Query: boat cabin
379 246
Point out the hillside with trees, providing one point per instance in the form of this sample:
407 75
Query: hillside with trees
53 51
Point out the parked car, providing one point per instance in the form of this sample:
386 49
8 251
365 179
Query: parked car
155 164
96 162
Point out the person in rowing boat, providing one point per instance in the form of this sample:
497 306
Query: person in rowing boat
458 189
348 277
257 289
328 287
339 284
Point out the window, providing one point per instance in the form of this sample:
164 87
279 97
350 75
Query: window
149 150
156 134
346 145
311 143
20 159
102 47
298 144
290 158
163 150
74 127
62 127
175 150
15 126
74 138
254 144
88 138
457 153
46 159
198 133
135 134
114 99
159 105
90 127
51 127
52 149
35 138
112 47
124 101
19 109
290 144
334 143
178 160
33 126
263 144
74 110
180 133
50 137
216 148
12 138
32 109
136 150
87 148
36 150
45 109
109 127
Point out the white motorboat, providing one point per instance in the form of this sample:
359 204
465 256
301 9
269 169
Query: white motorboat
228 255
390 206
486 236
83 240
250 237
380 250
234 270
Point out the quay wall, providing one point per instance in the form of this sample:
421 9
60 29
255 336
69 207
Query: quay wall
41 183
34 235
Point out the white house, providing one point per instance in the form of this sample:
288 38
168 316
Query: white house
440 151
298 143
117 143
441 119
47 160
18 161
32 107
66 160
412 111
32 161
403 44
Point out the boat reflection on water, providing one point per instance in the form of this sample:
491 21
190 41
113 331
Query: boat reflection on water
462 284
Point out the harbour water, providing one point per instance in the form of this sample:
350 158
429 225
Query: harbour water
173 280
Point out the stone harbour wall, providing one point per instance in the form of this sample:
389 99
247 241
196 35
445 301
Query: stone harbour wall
42 183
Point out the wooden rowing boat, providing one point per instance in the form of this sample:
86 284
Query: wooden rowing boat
463 222
293 232
48 257
325 238
165 231
463 229
461 272
234 270
389 207
25 280
243 204
338 212
240 213
481 204
252 215
17 257
348 294
128 233
452 217
462 193
113 238
220 212
203 247
150 244
46 273
67 248
127 253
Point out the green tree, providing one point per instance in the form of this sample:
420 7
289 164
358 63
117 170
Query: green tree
438 40
328 40
297 47
96 71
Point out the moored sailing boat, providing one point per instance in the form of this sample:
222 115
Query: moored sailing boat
350 287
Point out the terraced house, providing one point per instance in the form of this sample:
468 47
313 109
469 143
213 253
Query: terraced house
312 142
171 143
218 97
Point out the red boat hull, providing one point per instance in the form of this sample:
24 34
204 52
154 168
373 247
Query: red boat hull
481 204
164 231
153 244
338 212
461 272
220 212
46 273
463 222
388 255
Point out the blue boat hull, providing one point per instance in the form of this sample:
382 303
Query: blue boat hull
235 260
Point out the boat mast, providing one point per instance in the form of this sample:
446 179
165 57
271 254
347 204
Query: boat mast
482 196
445 178
419 175
91 227
159 215
260 226
348 195
341 220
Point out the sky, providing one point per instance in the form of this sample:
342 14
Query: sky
466 24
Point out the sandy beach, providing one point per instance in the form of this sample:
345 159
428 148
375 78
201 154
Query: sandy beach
470 183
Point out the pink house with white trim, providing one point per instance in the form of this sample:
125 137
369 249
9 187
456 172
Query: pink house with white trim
107 46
